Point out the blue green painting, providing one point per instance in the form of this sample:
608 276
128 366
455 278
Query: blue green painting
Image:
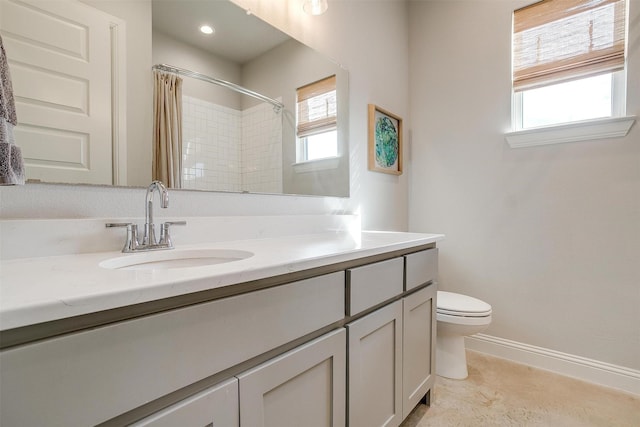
386 142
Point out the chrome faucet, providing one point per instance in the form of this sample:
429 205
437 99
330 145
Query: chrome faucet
149 241
149 227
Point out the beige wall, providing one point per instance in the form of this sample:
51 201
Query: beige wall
550 235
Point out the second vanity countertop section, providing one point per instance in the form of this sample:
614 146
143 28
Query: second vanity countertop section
35 290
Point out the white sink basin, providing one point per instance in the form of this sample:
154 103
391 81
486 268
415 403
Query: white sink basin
168 259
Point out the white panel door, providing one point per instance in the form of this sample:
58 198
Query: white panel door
59 55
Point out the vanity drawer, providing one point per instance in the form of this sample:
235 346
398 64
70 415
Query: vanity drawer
91 376
372 284
420 268
216 406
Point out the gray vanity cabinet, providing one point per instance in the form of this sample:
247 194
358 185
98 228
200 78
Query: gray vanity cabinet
391 365
356 342
303 387
391 349
95 375
419 315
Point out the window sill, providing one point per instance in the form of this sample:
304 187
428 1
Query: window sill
317 165
615 127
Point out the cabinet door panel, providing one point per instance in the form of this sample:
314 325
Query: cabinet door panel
304 387
375 368
216 406
419 323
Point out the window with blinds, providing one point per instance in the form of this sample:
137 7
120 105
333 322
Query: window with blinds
568 60
317 120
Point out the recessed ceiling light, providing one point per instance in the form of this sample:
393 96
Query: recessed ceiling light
315 7
206 29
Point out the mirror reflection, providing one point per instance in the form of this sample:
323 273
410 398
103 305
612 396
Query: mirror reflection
72 102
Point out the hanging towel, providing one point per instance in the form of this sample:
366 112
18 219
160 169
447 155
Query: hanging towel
11 163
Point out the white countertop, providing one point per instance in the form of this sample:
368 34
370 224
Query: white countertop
35 290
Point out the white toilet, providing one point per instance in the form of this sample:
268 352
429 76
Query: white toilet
457 316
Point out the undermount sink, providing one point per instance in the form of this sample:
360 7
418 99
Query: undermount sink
168 259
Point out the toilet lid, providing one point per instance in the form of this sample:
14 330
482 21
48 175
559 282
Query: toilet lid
461 305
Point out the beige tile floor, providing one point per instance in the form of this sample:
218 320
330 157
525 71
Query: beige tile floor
502 393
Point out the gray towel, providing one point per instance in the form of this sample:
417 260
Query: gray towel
11 163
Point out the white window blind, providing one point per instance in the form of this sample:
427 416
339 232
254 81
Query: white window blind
317 109
562 40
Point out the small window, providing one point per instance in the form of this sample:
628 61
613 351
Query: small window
568 62
317 120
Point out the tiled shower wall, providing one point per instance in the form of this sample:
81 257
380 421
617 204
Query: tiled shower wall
261 156
226 150
211 139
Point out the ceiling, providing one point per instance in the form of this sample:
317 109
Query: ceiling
238 37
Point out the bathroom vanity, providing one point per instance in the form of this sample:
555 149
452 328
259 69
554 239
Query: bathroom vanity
330 329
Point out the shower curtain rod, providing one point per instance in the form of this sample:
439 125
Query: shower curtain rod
277 106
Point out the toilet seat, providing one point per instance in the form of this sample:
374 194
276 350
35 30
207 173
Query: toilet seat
452 304
463 320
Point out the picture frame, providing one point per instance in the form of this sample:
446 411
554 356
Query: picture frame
385 141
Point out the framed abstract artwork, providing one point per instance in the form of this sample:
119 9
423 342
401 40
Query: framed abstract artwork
385 141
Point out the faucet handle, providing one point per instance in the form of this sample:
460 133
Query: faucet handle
175 223
165 238
131 244
118 224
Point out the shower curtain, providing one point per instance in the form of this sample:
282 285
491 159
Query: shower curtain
167 129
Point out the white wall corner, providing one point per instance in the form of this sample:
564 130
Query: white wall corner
593 371
573 132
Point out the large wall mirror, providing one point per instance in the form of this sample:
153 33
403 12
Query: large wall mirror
84 88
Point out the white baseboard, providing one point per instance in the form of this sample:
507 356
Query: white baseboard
590 370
